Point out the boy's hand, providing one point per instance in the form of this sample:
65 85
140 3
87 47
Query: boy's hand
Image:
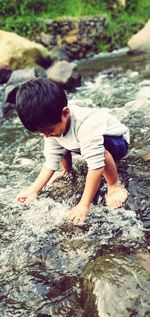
78 213
26 195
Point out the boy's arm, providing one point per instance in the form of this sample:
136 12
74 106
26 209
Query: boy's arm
93 179
43 177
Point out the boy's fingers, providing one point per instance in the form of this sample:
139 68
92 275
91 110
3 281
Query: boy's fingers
76 219
21 200
71 217
79 221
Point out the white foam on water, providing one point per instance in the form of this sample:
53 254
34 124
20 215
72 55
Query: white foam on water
41 217
24 161
112 221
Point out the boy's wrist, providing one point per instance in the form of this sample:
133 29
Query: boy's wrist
34 189
84 203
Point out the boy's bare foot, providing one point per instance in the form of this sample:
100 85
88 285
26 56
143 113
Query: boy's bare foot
116 195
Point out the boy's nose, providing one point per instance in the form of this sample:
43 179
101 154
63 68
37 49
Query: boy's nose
46 134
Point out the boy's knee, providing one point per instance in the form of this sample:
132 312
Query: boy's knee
107 153
67 156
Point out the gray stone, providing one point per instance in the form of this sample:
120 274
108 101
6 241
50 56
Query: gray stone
45 38
59 54
20 76
65 74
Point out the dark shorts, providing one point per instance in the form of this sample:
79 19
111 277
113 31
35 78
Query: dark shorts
116 145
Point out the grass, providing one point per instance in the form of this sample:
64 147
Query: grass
26 17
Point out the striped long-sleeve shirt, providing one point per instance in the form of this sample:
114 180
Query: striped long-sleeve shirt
87 128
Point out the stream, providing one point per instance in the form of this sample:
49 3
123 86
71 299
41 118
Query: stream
48 267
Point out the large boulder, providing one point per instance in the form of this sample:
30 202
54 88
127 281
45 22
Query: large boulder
140 42
18 52
65 74
117 285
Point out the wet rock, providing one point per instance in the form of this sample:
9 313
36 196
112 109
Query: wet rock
26 74
115 285
143 153
69 186
45 39
59 54
1 110
5 73
8 110
140 42
10 93
65 73
19 52
19 77
144 260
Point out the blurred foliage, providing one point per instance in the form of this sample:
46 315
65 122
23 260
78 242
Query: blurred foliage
26 27
52 7
27 17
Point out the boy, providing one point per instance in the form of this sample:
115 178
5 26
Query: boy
101 139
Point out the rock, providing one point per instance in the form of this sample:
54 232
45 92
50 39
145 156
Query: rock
71 185
5 73
146 72
121 4
8 110
144 152
20 76
69 33
59 54
25 74
117 4
70 39
10 93
19 52
1 110
45 39
65 74
140 42
114 285
144 260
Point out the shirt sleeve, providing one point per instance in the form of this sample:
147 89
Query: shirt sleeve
53 153
91 144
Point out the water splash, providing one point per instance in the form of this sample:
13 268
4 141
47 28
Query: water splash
42 255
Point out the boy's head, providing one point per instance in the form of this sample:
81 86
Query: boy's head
41 104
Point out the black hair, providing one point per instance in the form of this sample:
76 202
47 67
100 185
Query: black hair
39 104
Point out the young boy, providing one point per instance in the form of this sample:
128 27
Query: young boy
97 135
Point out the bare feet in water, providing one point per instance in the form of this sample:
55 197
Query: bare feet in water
116 195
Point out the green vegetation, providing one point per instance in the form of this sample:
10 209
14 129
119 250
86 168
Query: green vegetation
27 17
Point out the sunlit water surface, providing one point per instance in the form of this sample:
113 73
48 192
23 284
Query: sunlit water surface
42 255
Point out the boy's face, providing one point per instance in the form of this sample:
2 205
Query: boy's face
60 128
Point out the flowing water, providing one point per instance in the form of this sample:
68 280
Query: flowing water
43 257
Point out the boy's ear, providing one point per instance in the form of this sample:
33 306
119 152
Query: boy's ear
65 111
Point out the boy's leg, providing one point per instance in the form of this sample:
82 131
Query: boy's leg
66 164
110 171
116 193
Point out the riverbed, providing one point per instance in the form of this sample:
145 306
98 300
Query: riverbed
46 262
